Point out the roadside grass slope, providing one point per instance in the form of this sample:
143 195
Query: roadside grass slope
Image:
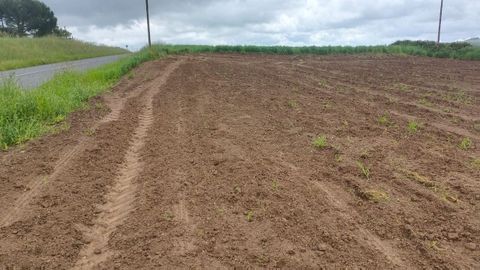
25 115
25 52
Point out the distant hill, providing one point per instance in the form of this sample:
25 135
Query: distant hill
474 41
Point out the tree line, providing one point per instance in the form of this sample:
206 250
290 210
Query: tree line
29 18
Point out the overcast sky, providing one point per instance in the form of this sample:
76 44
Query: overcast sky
266 22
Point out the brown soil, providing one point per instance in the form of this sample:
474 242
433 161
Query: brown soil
207 161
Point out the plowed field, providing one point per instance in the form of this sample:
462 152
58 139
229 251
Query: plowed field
209 161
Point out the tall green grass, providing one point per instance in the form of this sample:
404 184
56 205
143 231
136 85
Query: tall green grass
25 52
462 51
27 114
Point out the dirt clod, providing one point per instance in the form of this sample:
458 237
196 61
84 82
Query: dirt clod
471 246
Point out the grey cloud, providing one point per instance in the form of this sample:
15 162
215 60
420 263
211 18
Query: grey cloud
266 22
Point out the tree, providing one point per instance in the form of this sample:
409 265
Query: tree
62 32
2 16
27 18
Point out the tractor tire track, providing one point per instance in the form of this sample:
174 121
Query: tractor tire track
121 197
116 104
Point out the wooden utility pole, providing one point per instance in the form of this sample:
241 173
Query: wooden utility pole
440 23
148 24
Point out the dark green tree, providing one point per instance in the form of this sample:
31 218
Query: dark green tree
27 18
62 32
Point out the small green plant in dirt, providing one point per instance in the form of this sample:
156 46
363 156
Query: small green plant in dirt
413 126
322 83
475 163
249 216
425 102
364 169
99 106
320 142
401 87
420 179
476 125
465 144
62 127
292 104
168 216
435 246
384 120
237 189
459 96
275 185
89 132
374 195
327 105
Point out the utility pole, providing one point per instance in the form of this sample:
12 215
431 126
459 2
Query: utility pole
440 23
148 24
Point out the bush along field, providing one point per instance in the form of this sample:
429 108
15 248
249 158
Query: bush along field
27 114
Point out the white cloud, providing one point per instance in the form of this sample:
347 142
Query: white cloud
266 22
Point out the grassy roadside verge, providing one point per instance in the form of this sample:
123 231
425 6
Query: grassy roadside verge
25 115
26 52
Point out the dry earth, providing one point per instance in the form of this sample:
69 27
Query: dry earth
207 161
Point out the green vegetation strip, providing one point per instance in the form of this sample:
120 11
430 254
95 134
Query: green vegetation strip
462 51
26 52
28 114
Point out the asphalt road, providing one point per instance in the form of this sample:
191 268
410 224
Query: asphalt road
32 77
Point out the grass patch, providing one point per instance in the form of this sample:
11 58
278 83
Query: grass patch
323 83
249 216
89 132
292 104
475 162
374 195
320 142
413 126
168 216
25 52
434 186
459 96
275 185
384 120
425 102
465 144
402 87
27 114
424 181
364 170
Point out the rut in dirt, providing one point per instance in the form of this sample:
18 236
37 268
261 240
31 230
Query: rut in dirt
33 189
121 196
